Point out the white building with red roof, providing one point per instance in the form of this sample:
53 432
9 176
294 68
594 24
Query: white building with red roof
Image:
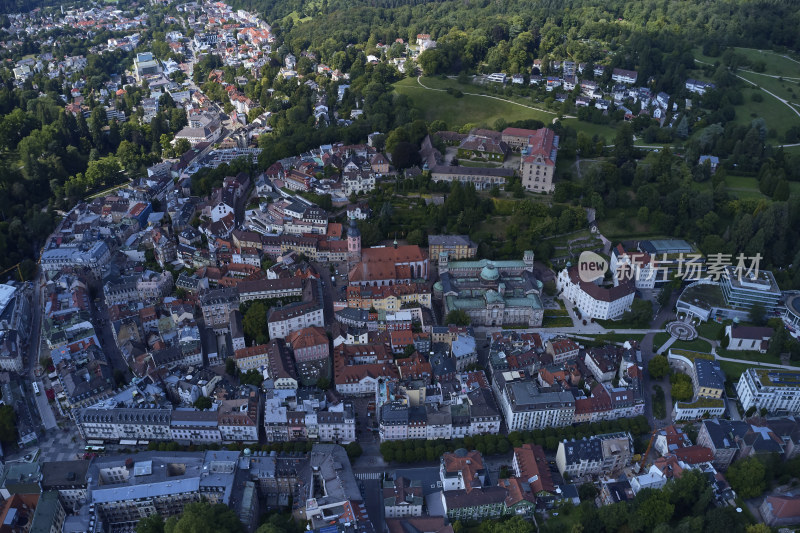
593 299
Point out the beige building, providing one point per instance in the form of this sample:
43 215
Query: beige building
457 246
538 162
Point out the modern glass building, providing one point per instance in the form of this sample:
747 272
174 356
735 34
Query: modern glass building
747 290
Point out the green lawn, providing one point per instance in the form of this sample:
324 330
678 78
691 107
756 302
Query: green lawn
481 164
747 187
495 225
555 312
556 321
659 339
697 345
601 130
750 356
787 89
710 330
618 324
734 370
563 240
775 113
456 112
776 64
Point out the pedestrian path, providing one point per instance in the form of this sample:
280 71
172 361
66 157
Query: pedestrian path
756 363
666 345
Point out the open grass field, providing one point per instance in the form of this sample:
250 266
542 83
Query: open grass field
747 187
776 114
607 133
786 88
775 63
469 109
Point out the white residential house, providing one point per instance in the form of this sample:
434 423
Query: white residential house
624 76
746 338
699 87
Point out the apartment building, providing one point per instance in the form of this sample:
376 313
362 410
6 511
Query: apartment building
105 421
562 349
329 491
309 344
282 321
527 406
238 419
597 455
124 490
775 390
402 497
252 357
267 289
217 305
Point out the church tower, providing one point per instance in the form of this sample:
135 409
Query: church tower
353 243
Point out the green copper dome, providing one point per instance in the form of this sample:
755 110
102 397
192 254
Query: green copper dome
490 273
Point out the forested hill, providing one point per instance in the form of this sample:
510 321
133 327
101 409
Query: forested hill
733 23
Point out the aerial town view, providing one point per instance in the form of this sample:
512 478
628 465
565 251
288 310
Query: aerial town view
399 266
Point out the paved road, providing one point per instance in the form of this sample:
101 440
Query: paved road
103 328
36 326
373 500
46 416
45 411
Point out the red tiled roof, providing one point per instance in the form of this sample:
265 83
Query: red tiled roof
694 454
533 464
603 294
519 132
307 337
469 465
784 506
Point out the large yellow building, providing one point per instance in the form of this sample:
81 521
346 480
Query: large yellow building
457 246
388 298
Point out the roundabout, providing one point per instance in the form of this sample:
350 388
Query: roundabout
682 331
